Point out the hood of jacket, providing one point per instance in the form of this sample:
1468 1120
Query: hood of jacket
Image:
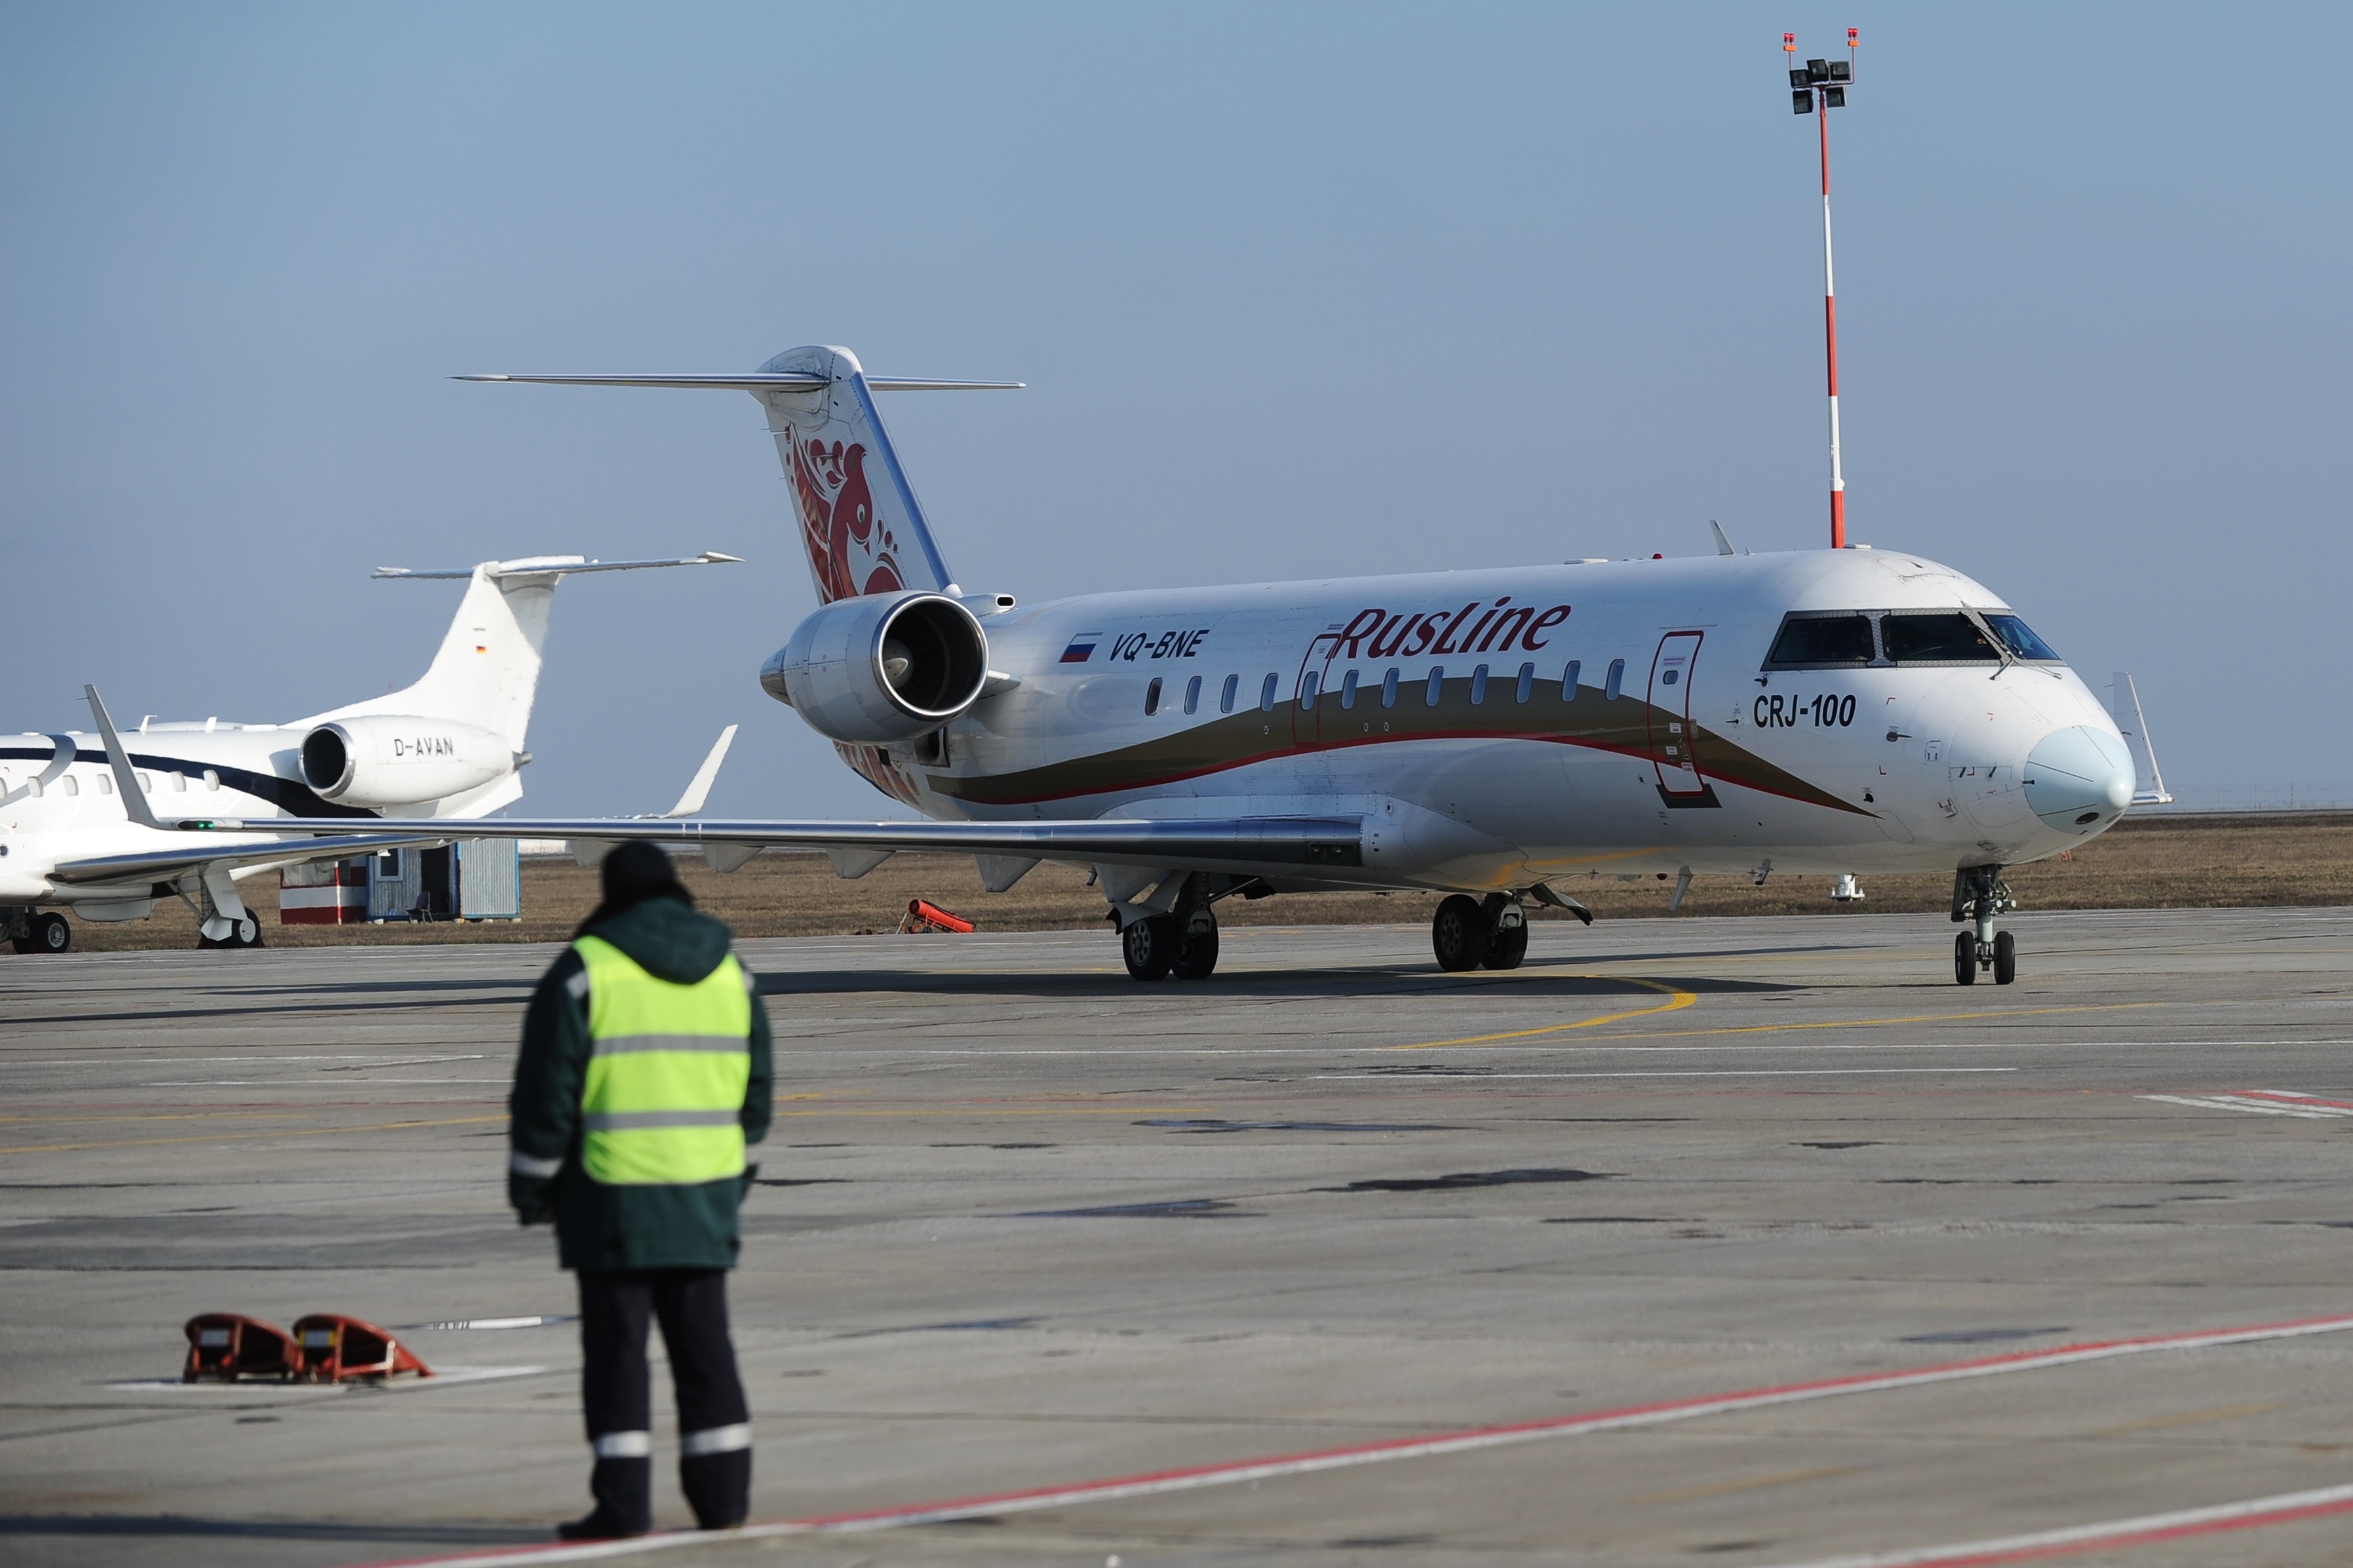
667 938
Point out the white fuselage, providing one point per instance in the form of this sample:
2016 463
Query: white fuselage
1693 755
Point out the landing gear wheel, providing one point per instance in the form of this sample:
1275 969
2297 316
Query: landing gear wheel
1149 946
2005 958
1459 933
1507 947
1197 954
244 932
1965 958
50 933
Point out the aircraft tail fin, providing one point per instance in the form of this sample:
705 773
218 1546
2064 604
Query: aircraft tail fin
486 672
2124 706
861 524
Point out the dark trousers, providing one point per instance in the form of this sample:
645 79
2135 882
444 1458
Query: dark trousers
714 1464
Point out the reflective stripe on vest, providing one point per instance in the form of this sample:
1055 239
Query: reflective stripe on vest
668 1068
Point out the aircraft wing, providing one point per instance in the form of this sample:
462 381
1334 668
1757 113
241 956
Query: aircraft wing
1242 843
163 865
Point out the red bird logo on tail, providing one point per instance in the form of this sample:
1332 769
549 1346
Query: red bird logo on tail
850 551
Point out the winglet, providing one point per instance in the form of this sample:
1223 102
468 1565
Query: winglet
126 782
1723 540
698 789
2124 706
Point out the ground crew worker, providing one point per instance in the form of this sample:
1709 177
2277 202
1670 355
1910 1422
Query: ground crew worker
644 1071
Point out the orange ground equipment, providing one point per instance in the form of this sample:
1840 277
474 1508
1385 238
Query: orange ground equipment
923 915
336 1349
226 1346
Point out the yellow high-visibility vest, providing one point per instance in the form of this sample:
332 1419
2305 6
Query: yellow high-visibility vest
668 1068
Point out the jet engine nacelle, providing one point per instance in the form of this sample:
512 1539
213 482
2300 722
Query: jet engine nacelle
885 667
392 761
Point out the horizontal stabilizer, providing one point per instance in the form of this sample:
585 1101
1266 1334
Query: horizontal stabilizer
756 383
554 567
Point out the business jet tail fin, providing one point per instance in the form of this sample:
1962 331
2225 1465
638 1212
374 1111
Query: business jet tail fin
861 524
2124 706
487 670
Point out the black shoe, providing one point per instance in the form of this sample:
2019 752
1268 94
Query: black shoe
597 1526
735 1523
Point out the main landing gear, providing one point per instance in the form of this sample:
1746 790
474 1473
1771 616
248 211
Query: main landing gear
1183 942
45 933
243 932
1978 896
1479 934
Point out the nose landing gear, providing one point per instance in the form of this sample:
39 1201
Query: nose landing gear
1980 894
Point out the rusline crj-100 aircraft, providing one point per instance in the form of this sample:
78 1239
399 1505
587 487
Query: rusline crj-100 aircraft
1495 735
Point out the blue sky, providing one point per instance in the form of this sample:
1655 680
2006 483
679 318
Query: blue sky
1296 290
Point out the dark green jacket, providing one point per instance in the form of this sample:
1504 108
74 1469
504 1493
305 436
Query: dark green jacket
607 1227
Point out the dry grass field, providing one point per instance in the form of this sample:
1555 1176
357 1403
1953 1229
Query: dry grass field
2150 862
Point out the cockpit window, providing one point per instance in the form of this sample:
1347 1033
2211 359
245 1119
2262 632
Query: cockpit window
2021 638
1937 638
1813 641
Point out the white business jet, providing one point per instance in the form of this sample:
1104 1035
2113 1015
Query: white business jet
1497 735
88 824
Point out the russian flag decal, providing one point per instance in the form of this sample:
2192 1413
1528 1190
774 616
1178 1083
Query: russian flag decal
1082 648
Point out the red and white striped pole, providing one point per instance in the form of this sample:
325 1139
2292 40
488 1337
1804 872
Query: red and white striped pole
1821 87
1830 328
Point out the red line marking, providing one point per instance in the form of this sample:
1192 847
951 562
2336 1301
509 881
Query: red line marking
1186 1478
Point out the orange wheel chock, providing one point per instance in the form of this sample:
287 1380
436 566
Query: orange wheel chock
226 1346
923 915
337 1349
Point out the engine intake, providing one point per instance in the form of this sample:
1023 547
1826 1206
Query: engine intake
380 761
882 668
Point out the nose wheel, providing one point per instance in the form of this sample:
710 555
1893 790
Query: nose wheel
1980 894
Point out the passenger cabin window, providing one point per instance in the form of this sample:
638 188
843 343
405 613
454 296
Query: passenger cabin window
1266 694
212 779
105 784
1819 642
1936 639
1479 686
1309 684
1527 682
180 784
71 786
1192 694
1437 686
2021 641
1616 682
1568 679
1348 689
1388 688
1225 698
1152 697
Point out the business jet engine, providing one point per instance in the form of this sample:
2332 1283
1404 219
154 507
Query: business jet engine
392 760
880 668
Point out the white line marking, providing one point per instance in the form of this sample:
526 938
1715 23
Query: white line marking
443 1377
2309 1107
2146 1529
1160 1482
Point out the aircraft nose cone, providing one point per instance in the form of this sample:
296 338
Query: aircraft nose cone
2079 778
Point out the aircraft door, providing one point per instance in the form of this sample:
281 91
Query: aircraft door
1670 720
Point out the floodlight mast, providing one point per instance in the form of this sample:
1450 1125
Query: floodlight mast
1820 85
